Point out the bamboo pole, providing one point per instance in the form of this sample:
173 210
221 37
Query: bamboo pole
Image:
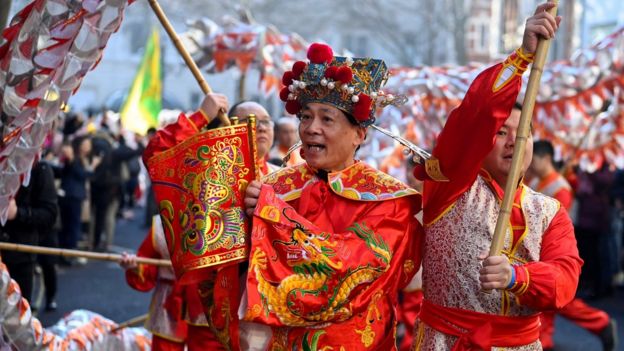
521 139
130 322
241 86
42 250
185 55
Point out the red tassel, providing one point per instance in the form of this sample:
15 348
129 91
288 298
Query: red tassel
344 74
284 94
287 78
330 72
320 53
298 68
362 108
293 107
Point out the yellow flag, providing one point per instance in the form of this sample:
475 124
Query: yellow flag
140 110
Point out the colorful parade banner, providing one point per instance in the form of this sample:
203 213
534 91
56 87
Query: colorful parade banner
200 186
140 110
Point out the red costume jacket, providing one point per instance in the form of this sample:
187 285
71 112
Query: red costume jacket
328 257
172 305
544 254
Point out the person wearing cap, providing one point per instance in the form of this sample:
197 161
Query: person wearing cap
333 239
286 136
473 301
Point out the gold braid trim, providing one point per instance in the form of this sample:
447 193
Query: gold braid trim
432 167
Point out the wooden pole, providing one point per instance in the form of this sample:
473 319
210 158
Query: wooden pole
130 322
241 86
42 250
521 139
185 55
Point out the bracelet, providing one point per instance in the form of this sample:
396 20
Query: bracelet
512 281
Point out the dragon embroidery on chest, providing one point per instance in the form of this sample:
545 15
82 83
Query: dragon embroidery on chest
319 287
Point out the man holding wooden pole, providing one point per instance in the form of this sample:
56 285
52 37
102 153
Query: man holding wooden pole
473 301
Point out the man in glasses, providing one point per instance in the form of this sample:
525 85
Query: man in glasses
264 131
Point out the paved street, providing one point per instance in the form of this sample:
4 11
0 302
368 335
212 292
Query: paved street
101 287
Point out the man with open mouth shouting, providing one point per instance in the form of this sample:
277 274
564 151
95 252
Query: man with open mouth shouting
333 239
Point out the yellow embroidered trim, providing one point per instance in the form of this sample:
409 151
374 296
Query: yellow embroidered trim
419 336
449 208
432 167
525 285
169 338
193 124
505 303
513 250
525 56
518 60
205 116
519 64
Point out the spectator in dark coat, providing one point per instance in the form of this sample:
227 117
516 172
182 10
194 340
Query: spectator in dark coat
31 216
77 170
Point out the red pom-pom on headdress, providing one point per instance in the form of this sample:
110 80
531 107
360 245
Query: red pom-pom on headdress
298 68
287 78
293 107
344 74
330 72
362 108
284 94
320 53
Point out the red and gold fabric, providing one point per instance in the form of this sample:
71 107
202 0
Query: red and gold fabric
199 180
328 258
479 331
199 185
166 323
174 309
408 311
460 216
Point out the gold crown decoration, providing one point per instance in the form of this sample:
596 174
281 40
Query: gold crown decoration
349 84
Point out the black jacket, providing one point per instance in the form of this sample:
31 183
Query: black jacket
36 213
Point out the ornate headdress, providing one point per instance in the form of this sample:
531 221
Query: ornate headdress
349 84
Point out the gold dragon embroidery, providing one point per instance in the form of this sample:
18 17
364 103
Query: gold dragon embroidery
312 257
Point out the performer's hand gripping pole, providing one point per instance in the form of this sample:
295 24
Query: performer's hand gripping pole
521 140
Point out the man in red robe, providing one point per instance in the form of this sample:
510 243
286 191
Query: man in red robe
539 265
333 239
549 182
186 127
